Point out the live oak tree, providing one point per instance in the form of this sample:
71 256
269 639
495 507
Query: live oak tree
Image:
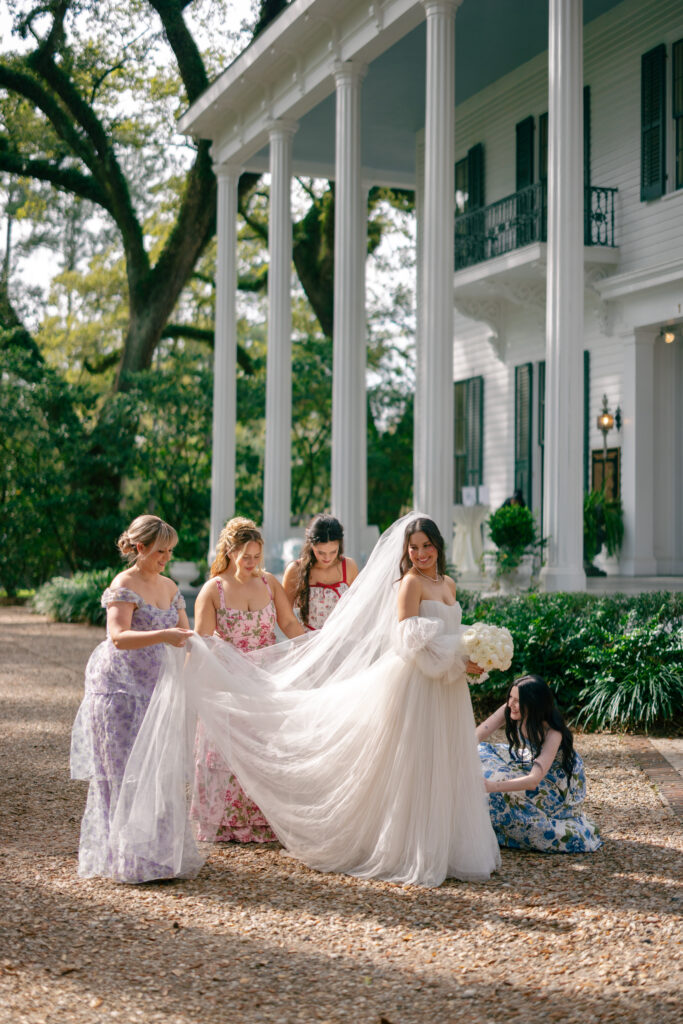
81 95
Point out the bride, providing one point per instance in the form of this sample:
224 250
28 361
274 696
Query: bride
357 742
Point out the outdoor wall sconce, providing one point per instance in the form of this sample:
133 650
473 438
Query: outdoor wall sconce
668 333
606 421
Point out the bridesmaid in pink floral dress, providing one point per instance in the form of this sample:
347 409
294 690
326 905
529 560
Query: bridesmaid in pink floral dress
321 575
240 604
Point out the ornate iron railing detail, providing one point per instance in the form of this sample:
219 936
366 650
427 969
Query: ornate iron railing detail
521 219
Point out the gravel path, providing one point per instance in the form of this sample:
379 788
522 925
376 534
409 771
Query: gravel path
259 938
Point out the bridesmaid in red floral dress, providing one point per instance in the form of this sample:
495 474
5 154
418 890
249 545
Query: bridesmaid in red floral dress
240 604
321 575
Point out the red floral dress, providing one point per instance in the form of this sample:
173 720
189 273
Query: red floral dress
222 809
322 598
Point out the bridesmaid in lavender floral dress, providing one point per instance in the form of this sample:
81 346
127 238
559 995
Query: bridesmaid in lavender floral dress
240 604
144 611
316 581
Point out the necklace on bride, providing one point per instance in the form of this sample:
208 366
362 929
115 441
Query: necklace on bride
432 579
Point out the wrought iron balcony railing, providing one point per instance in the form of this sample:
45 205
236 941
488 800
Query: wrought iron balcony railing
521 219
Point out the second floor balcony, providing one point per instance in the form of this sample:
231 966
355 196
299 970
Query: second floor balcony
522 219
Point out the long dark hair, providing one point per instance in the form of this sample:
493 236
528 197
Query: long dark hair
427 526
537 708
321 530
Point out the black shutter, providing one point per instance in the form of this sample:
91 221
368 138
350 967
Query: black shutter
653 124
475 176
523 425
677 107
525 153
475 430
543 147
587 200
541 433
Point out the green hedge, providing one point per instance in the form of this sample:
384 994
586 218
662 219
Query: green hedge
613 661
75 598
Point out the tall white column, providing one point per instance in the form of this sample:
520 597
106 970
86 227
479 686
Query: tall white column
277 488
224 354
361 385
418 442
563 503
638 455
434 456
348 368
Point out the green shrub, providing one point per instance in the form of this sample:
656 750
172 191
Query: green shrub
586 645
75 598
513 530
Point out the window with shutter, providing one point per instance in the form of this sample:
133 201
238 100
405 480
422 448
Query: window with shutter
587 207
469 434
677 109
653 124
523 425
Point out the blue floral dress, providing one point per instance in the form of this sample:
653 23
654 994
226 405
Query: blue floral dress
549 818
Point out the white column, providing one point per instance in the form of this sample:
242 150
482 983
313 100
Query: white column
419 250
224 355
434 456
361 385
563 504
638 455
348 368
278 455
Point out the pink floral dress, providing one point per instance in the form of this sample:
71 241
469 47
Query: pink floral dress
322 597
222 809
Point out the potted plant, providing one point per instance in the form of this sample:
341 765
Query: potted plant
603 523
513 530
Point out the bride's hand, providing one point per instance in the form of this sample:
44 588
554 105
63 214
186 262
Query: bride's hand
473 669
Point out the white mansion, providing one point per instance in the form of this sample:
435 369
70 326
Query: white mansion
544 142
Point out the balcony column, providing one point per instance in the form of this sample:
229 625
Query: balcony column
638 455
224 355
419 252
278 455
348 361
434 447
563 502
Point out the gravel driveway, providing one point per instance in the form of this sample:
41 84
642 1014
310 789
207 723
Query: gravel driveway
259 938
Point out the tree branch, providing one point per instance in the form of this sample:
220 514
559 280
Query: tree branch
206 335
190 63
68 179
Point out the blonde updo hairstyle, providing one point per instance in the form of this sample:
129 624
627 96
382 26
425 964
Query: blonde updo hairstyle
146 529
235 534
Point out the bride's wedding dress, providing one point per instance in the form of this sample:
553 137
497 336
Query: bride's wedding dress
357 742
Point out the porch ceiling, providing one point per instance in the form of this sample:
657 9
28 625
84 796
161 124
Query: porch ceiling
492 38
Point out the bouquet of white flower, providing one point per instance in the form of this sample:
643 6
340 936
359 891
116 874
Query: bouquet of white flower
487 646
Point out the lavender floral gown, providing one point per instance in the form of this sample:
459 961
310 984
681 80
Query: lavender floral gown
118 689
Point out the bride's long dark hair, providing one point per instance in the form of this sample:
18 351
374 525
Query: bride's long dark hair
537 708
427 526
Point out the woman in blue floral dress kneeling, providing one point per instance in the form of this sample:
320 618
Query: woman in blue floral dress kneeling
536 782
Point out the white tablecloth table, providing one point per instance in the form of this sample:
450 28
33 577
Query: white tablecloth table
467 540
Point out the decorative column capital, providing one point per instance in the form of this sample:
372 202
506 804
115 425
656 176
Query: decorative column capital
440 7
346 71
282 127
227 171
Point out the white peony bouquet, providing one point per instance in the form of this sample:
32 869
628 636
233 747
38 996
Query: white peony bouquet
489 647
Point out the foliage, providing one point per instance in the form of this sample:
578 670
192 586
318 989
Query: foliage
583 643
638 677
603 523
75 598
513 530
